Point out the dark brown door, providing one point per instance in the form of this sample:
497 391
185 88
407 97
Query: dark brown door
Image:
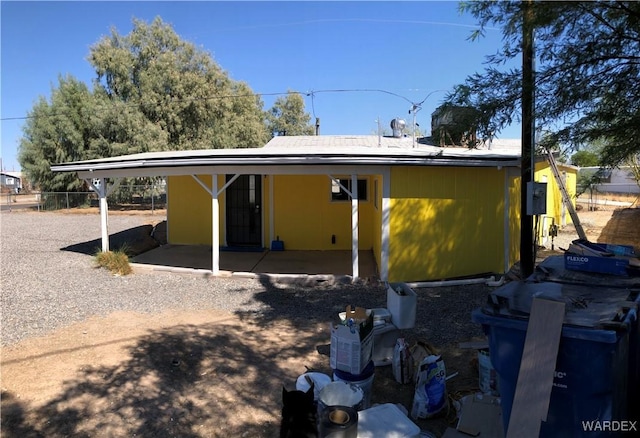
244 211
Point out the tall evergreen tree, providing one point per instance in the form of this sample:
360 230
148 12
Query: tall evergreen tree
178 88
153 92
288 117
587 84
57 131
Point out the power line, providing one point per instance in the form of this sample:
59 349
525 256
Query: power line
236 96
360 20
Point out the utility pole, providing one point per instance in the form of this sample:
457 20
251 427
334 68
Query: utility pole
527 251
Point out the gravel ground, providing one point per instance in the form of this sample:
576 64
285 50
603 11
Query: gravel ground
45 287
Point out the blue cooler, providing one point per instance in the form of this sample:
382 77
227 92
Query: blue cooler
592 369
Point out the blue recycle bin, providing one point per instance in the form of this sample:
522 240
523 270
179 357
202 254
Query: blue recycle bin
552 269
592 380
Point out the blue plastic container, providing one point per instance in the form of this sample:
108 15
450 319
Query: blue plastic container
591 380
553 270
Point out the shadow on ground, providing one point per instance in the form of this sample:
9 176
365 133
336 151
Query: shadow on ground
136 240
225 380
622 228
443 319
186 381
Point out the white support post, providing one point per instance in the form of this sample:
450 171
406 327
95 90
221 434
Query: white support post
386 195
354 226
215 226
215 218
272 226
104 212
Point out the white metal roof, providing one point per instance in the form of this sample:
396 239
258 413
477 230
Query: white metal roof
370 150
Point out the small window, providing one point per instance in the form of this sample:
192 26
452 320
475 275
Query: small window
338 194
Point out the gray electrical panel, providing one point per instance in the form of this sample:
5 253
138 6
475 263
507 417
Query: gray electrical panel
536 198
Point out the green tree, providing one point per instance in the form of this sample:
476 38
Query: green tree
177 88
153 92
57 131
587 72
585 159
287 116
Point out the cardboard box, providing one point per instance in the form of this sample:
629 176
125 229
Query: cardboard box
352 345
601 265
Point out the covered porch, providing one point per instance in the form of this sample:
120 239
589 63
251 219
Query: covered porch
197 259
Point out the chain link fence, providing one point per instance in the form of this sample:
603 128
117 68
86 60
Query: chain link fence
135 197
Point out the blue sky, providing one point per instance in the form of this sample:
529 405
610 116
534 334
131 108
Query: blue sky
407 49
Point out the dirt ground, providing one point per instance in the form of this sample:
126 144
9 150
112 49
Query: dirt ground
203 374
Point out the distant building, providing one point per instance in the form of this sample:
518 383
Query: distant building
619 180
10 182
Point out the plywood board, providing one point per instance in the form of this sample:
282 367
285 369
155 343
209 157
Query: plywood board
535 378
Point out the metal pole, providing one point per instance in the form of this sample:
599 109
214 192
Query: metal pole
413 110
527 250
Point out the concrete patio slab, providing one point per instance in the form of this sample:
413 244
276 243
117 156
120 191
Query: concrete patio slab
197 258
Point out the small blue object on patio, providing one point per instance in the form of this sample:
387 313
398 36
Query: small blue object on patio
277 245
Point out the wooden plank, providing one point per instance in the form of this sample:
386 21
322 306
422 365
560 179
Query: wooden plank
537 367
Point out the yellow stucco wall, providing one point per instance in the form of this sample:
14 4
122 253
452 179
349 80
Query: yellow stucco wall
305 218
189 210
554 198
445 222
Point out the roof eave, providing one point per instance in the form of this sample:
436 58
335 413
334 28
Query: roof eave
293 160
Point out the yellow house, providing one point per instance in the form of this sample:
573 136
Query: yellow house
425 212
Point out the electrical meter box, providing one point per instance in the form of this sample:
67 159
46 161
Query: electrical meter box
536 198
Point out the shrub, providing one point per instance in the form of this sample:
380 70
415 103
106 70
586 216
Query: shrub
117 261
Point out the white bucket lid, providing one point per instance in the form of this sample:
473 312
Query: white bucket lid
320 380
341 394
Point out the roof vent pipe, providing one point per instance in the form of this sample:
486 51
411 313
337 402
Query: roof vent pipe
398 125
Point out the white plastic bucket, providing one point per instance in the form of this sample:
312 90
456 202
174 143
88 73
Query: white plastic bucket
340 394
364 381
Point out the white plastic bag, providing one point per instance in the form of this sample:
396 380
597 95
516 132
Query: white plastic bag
402 363
430 396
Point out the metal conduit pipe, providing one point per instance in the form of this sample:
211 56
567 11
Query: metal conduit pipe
491 281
